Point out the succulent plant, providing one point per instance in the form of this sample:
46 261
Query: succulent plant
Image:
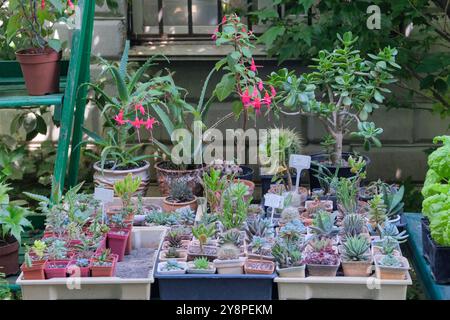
377 212
353 224
258 245
172 252
392 198
292 231
174 239
286 255
388 245
323 224
391 230
356 248
203 233
161 218
322 253
172 265
201 263
232 236
258 227
228 252
186 215
289 214
57 250
208 218
390 260
180 191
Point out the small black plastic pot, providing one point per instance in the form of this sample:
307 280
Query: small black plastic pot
215 286
425 223
321 157
247 173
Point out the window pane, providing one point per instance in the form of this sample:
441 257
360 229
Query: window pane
175 16
204 15
150 16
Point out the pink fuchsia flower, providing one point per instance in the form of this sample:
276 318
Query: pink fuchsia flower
140 108
273 91
253 66
137 123
224 19
42 4
71 5
245 98
260 85
119 118
267 100
255 92
149 123
257 104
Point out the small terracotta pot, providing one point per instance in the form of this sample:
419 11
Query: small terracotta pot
35 272
59 272
40 70
75 271
104 271
357 268
250 268
169 206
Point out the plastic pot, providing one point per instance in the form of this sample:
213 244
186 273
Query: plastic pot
357 268
182 258
391 273
251 267
439 259
292 272
75 271
117 241
343 171
161 270
104 271
191 269
247 173
41 70
319 270
9 258
425 224
35 272
234 266
56 268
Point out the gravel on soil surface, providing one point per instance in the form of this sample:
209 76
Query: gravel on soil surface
138 264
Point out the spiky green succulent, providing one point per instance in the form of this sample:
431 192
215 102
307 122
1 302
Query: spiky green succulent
356 248
232 236
353 224
390 260
201 263
228 252
258 227
323 224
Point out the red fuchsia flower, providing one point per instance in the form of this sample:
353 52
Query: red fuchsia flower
253 66
71 5
42 4
119 118
137 123
267 100
140 108
149 123
245 98
260 86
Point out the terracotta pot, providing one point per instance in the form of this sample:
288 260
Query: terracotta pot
357 268
58 272
106 178
40 70
193 178
75 271
9 258
104 271
182 258
250 267
169 206
35 272
391 273
117 242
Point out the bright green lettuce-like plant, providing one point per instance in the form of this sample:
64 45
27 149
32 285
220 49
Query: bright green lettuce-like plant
343 89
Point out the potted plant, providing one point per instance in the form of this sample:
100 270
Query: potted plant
203 233
32 27
118 236
355 256
58 259
127 116
259 261
78 267
103 264
34 261
214 184
386 246
12 223
324 225
288 257
260 227
228 260
180 196
353 87
322 260
390 267
174 249
200 265
376 215
353 225
172 267
235 206
175 240
230 168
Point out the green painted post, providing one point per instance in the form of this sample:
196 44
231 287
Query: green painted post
82 93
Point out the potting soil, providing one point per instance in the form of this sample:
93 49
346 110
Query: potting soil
138 264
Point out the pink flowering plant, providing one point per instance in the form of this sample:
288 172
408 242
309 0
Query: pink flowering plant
241 71
32 23
129 116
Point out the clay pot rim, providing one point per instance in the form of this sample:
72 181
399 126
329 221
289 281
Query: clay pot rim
118 172
23 52
182 204
9 247
158 168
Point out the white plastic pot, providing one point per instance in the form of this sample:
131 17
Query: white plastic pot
161 266
234 266
292 272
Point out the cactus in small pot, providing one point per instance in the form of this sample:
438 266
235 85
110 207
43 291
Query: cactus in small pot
180 195
356 257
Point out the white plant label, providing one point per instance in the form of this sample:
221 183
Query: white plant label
104 195
273 201
299 162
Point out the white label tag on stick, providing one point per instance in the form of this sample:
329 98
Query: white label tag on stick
299 162
104 195
273 201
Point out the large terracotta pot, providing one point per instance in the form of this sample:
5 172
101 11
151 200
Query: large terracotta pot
192 177
9 258
40 70
106 178
170 206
